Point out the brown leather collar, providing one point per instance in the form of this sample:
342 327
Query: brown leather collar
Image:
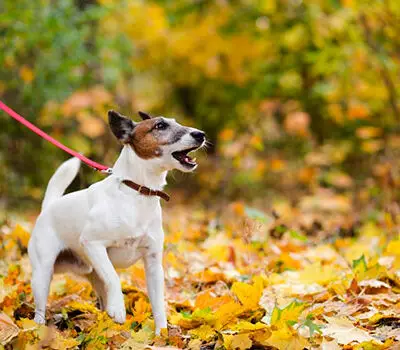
145 190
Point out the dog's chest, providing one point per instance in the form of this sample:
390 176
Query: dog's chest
121 217
129 224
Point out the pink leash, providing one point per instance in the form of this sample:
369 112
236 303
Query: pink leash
47 137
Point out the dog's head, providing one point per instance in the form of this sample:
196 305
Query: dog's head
161 140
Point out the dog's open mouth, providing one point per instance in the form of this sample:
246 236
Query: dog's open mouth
183 158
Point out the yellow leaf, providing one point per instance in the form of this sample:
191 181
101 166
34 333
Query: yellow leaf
179 320
245 326
61 343
238 341
142 310
393 248
261 336
227 313
204 332
21 235
146 334
26 74
132 344
84 307
268 6
249 295
321 274
374 272
27 324
164 333
285 338
291 313
218 252
204 316
372 146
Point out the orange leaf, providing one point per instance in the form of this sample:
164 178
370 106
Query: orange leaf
207 299
141 311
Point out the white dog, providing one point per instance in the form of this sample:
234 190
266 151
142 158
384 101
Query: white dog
116 221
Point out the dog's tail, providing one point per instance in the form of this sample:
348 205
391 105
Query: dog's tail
61 179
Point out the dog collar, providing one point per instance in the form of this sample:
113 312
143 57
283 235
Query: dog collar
145 190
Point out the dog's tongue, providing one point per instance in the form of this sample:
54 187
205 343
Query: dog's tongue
189 160
184 158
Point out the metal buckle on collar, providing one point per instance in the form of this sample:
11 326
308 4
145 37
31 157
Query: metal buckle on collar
107 171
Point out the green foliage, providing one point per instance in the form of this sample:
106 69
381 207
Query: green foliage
48 51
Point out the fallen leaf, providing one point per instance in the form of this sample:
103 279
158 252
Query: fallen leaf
141 311
21 235
8 329
26 324
204 332
373 283
287 315
237 342
248 295
345 332
330 345
285 338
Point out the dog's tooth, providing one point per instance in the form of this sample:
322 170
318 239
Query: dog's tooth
194 159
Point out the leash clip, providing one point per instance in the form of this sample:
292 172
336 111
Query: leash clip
107 171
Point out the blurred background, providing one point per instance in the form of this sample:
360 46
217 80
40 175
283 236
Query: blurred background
300 98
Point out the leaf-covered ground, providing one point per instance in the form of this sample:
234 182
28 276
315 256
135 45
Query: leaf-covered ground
318 275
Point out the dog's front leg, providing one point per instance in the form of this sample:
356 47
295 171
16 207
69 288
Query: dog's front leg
97 254
155 288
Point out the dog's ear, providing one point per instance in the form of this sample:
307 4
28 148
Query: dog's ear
144 116
121 126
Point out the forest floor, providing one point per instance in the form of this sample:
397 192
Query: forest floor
315 275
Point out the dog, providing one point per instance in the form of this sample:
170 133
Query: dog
114 222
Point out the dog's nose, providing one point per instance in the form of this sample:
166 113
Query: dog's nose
198 135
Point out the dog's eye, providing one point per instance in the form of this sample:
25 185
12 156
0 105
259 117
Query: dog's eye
161 125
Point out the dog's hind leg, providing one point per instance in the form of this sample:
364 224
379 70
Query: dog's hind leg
99 288
42 261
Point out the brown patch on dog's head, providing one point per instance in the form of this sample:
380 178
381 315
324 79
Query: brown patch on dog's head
144 141
148 136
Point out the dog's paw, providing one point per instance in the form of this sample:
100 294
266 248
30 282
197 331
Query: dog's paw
39 319
118 314
116 310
